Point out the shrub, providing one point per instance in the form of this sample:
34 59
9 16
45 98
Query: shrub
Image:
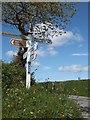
13 75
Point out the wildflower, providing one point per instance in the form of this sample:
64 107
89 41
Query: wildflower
8 105
60 98
34 98
24 110
31 113
62 114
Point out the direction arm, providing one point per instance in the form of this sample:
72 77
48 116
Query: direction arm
45 41
39 40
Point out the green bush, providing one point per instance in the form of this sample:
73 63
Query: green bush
13 75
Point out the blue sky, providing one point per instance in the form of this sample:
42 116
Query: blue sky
66 58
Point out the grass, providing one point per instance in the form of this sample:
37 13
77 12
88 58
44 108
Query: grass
0 102
72 87
77 87
40 101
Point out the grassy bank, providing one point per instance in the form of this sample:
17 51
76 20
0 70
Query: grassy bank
20 103
38 102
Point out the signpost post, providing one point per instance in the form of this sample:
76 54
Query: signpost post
30 55
28 64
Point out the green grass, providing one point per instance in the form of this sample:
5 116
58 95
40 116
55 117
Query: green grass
77 87
72 87
0 102
37 103
40 101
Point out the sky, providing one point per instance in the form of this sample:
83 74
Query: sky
66 58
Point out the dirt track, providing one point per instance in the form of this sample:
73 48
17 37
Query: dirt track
84 103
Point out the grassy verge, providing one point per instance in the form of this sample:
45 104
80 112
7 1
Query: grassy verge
19 103
38 102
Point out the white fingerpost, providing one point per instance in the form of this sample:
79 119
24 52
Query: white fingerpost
28 64
29 59
30 55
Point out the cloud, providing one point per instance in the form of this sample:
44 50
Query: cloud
49 51
52 51
67 38
86 68
11 53
79 54
58 37
36 63
40 53
73 68
47 67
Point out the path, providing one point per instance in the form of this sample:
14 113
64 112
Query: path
84 103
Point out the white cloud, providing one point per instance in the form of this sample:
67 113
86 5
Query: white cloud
11 53
52 51
67 38
49 51
73 68
36 63
47 67
79 54
57 39
87 68
40 53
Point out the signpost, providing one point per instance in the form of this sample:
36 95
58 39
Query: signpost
29 60
30 55
28 64
21 43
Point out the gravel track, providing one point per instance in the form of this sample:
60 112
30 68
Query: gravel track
84 103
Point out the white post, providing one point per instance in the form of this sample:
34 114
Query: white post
28 63
29 59
28 75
